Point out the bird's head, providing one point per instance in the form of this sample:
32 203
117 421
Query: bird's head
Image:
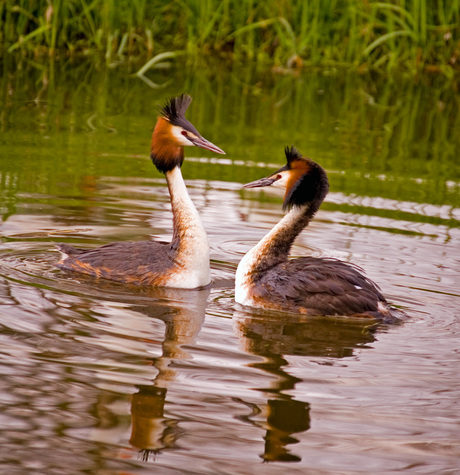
304 181
173 132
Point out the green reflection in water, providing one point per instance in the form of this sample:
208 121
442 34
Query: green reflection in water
65 125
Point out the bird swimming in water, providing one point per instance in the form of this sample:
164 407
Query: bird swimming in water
266 278
183 263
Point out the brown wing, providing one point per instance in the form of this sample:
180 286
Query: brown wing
320 286
139 262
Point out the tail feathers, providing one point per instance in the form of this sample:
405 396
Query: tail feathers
389 314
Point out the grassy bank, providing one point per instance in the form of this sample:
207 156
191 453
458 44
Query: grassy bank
413 35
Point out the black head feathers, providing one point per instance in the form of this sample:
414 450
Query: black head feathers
292 154
176 107
309 182
174 110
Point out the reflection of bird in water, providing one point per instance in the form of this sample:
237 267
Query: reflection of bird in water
151 431
183 263
267 279
282 415
273 339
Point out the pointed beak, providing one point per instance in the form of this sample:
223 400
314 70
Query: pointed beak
206 144
269 180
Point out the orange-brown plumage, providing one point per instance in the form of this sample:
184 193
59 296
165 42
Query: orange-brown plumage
164 146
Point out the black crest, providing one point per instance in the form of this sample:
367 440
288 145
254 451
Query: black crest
292 154
174 110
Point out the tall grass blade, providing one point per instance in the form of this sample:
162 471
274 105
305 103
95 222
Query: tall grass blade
385 38
157 59
22 41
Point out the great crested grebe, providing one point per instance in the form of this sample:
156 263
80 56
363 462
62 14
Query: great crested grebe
267 279
183 263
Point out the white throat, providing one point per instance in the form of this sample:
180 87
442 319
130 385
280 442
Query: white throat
246 267
192 257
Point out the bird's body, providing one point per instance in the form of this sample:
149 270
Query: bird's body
183 263
267 278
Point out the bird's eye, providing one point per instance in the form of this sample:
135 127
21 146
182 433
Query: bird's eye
184 133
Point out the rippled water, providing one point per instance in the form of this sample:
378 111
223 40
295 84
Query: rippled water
98 377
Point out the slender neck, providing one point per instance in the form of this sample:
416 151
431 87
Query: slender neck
274 248
189 232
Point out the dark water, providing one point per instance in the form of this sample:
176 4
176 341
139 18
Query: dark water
102 378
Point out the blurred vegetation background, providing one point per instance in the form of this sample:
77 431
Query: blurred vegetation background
408 35
369 89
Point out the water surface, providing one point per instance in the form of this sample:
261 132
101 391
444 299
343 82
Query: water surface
98 377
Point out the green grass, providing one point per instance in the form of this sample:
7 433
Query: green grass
413 35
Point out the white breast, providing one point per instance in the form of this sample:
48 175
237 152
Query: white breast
243 282
194 270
